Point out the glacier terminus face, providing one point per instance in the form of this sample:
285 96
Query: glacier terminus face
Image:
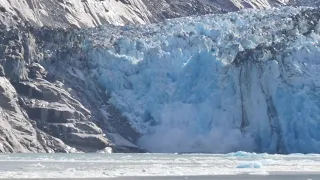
217 83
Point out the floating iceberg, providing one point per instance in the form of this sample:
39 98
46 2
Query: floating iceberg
255 165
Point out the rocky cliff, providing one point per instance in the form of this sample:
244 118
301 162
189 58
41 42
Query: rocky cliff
43 107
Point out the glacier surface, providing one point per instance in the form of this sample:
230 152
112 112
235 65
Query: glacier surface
217 83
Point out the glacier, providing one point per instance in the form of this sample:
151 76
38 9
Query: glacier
244 81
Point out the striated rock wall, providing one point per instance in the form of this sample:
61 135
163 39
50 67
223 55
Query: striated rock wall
45 109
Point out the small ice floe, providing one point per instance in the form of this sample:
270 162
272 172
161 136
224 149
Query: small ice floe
38 165
255 165
107 150
240 154
71 170
262 173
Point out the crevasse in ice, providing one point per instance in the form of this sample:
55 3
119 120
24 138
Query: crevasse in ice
217 83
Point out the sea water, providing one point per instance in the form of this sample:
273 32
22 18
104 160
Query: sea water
239 165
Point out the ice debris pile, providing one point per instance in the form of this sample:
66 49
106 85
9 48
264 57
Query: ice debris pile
217 83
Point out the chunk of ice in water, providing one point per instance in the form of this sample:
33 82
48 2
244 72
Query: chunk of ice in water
255 165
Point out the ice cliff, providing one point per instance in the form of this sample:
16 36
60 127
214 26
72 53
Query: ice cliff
217 83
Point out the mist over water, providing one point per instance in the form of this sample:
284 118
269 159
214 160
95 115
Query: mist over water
167 138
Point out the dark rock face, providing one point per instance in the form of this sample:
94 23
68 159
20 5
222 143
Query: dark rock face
18 132
42 107
2 71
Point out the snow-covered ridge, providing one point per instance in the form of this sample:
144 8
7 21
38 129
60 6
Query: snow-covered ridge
76 13
91 13
217 83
